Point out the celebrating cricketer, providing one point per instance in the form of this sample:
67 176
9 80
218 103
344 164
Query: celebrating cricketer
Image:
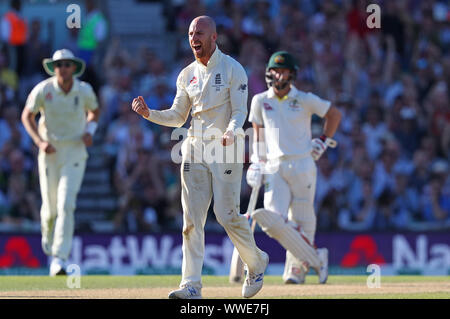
214 89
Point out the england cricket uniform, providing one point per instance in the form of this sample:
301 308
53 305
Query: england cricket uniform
290 189
216 96
62 124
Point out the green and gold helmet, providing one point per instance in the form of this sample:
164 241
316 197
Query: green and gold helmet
281 59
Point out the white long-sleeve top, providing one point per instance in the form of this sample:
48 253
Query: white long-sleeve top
216 95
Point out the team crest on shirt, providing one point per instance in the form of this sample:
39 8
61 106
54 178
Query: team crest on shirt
294 105
218 82
193 80
76 101
49 97
267 107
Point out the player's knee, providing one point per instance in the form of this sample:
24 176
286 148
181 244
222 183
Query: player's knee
67 207
225 219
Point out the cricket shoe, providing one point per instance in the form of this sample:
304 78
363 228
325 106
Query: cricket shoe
57 267
254 280
322 271
297 275
187 292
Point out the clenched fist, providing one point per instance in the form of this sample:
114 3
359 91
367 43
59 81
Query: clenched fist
46 147
140 107
227 138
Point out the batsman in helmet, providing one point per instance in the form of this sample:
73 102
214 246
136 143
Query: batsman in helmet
284 155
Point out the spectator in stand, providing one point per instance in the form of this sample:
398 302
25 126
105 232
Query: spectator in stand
360 214
9 79
407 132
14 32
143 191
93 33
436 195
374 130
36 50
406 203
12 130
22 202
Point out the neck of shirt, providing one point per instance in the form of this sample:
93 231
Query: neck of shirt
212 59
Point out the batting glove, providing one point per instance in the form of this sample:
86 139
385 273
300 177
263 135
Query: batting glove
319 146
254 175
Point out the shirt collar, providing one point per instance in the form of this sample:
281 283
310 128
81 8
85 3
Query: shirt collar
75 86
292 93
213 59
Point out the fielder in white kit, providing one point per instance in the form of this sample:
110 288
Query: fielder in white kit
214 89
281 118
69 115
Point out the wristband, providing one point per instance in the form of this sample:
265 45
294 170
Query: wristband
91 127
323 137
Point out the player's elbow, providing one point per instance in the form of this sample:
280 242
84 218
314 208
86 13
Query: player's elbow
334 115
26 116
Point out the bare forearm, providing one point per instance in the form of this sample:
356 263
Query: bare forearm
332 121
30 126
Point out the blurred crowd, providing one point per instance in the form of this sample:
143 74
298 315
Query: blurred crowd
390 170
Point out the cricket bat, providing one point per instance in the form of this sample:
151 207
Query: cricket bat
237 266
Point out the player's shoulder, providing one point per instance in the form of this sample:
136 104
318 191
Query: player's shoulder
232 62
189 68
44 85
298 93
85 87
303 95
187 72
261 96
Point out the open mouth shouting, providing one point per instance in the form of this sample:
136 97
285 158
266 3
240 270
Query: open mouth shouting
197 47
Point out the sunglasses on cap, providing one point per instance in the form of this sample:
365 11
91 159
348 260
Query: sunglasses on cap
66 64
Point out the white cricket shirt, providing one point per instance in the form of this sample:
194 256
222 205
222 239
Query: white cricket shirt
287 121
63 116
216 95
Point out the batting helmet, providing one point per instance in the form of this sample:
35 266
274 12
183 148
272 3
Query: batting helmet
281 59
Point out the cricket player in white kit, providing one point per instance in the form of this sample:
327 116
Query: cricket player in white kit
214 89
287 162
69 115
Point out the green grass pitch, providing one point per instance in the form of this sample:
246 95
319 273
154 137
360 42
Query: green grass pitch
392 287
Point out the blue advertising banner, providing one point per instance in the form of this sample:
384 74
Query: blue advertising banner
421 253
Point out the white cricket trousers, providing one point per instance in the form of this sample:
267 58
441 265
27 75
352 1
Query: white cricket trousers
201 181
60 178
290 191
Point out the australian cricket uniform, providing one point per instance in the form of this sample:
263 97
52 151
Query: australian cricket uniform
216 96
290 189
62 124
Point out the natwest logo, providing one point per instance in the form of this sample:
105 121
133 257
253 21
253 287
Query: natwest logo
423 255
363 251
126 254
18 253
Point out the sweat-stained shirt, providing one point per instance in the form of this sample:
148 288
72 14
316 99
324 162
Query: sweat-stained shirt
216 95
